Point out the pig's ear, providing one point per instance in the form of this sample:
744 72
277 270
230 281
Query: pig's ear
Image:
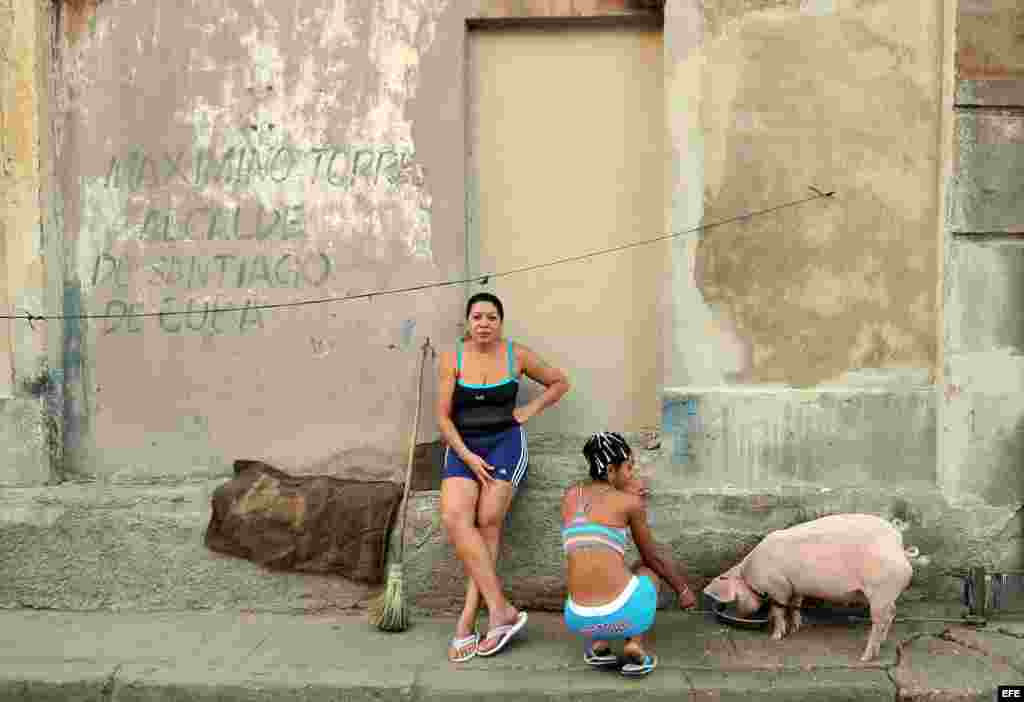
722 589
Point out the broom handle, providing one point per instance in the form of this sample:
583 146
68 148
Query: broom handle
412 452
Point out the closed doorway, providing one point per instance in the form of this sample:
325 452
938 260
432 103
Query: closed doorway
567 155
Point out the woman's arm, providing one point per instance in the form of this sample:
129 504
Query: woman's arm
445 391
554 380
649 552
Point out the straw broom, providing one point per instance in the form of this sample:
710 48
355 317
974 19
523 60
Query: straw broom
388 612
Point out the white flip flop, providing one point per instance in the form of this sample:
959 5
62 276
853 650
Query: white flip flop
459 644
506 632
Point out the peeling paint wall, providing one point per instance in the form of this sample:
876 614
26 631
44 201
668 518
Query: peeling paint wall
982 413
769 98
803 342
241 153
25 432
234 155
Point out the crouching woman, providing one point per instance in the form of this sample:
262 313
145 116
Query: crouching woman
606 600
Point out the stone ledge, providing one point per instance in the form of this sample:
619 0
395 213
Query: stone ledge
141 548
758 437
706 531
89 547
56 680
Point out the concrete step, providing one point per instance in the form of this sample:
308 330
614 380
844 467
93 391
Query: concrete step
106 657
708 527
139 547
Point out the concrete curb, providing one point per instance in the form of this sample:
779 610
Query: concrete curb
174 657
148 683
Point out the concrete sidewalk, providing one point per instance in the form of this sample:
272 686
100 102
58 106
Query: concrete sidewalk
49 656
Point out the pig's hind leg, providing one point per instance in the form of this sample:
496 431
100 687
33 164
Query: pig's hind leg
882 598
882 614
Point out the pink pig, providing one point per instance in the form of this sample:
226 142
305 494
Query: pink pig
843 558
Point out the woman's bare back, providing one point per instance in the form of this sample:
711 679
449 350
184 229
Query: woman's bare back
597 575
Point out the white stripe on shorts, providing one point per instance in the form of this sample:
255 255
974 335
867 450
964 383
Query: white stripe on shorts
524 459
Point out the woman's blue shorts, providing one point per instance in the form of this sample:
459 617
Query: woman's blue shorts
505 450
628 615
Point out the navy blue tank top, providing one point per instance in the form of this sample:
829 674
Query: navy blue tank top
484 409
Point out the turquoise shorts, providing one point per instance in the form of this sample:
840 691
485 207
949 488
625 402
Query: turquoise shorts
628 615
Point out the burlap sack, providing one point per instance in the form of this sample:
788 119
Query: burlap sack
310 524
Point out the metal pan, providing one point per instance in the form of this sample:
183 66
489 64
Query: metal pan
726 614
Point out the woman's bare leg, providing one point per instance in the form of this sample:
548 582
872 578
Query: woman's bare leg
494 504
492 507
459 497
637 645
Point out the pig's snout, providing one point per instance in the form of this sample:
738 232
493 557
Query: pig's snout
729 588
720 590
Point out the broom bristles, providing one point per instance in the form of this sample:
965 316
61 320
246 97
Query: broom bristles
388 612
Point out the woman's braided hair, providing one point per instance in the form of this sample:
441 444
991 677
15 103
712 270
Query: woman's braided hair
605 449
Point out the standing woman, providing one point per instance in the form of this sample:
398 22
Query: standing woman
485 461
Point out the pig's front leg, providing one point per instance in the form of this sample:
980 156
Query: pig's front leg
778 615
795 619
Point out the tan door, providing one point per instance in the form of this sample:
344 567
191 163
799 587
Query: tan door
567 156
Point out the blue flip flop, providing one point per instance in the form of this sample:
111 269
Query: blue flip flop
635 669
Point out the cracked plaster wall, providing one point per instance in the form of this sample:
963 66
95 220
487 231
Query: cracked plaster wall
25 395
981 415
766 99
235 154
190 142
805 342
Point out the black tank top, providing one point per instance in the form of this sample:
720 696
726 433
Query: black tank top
484 409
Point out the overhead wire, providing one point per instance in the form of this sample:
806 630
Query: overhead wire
482 279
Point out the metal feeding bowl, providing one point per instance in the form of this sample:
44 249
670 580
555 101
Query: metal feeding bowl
725 612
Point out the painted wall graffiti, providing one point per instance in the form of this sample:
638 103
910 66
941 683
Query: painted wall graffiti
203 212
198 287
288 270
339 166
210 223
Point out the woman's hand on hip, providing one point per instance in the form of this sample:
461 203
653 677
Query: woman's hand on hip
522 415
